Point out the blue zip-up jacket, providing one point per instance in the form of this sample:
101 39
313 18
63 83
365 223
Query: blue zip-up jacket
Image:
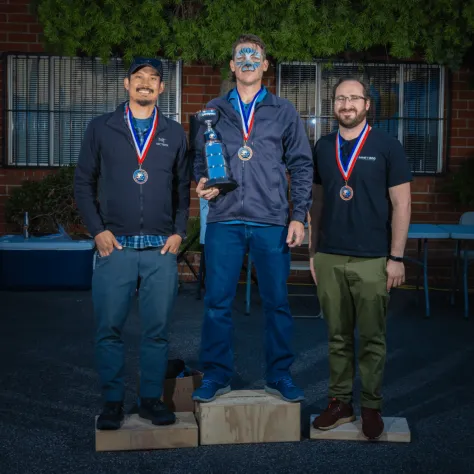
106 194
279 143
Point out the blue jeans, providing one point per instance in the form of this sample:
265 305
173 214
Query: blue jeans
225 249
114 284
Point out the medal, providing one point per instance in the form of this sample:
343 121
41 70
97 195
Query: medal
347 193
245 152
140 176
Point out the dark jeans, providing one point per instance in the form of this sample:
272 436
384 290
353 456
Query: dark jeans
114 285
225 248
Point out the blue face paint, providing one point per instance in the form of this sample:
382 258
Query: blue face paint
248 59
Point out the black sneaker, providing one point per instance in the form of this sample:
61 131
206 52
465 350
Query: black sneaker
156 411
111 417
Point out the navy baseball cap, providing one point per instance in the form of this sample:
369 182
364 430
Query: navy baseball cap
142 62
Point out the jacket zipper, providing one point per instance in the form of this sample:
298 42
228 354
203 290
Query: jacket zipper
141 186
243 162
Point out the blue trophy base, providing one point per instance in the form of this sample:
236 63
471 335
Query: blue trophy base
222 184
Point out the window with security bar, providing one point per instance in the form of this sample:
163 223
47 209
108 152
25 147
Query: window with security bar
50 101
407 101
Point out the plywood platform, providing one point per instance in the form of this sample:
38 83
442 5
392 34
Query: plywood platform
396 431
248 416
137 433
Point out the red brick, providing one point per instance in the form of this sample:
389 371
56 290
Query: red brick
196 99
22 37
459 123
423 197
35 28
15 47
457 141
460 104
444 198
22 27
3 18
447 217
465 132
3 190
189 108
465 114
201 89
21 18
417 207
421 217
36 48
420 184
13 8
197 80
466 94
211 71
192 70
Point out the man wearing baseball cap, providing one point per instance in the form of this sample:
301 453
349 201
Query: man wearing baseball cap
132 190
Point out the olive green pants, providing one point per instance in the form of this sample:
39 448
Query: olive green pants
353 291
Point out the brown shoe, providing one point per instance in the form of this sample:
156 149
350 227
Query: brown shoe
337 413
372 423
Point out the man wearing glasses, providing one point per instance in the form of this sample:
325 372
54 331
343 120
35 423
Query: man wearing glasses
359 225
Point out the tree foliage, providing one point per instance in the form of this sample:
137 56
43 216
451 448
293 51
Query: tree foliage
438 31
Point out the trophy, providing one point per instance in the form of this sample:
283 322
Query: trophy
218 171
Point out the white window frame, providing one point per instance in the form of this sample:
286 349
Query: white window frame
12 161
318 65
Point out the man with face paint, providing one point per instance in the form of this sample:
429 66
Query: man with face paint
264 137
359 225
130 160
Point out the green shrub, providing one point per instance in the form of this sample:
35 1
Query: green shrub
49 203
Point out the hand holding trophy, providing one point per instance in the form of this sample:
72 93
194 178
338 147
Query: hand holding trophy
217 168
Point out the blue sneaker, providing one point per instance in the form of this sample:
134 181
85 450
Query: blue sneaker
209 390
286 389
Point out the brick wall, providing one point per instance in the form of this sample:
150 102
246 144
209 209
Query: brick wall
20 32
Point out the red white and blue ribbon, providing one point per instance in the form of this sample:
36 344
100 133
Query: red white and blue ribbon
142 150
346 173
247 120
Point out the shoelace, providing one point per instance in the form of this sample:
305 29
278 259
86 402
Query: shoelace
334 406
206 383
287 382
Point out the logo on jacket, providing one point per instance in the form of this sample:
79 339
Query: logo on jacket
161 142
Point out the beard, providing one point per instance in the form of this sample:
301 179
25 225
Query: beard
144 102
350 122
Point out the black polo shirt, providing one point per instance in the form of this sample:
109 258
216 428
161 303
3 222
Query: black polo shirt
360 227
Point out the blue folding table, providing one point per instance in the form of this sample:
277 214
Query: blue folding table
460 232
424 232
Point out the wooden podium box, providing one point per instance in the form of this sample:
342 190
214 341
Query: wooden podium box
396 431
137 433
248 416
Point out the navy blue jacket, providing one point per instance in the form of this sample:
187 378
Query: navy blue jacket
106 194
279 143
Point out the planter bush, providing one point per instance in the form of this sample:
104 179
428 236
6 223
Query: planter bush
50 203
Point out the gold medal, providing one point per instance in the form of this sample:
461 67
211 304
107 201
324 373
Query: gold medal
245 153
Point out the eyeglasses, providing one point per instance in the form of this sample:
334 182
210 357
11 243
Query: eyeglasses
341 99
